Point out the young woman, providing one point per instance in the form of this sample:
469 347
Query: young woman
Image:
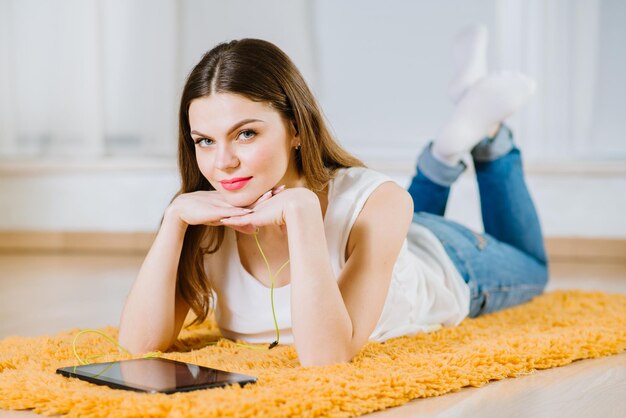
288 237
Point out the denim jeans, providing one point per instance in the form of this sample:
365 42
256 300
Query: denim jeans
506 265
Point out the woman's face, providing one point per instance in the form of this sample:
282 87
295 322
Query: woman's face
237 138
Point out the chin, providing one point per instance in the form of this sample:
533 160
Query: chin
242 200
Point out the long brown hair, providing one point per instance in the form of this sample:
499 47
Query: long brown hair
259 71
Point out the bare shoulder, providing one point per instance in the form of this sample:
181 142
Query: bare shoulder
389 208
388 199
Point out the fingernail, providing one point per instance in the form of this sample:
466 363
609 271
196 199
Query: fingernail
248 210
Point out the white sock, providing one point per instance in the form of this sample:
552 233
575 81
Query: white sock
469 58
481 108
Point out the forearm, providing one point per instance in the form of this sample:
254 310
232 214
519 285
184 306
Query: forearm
148 319
321 324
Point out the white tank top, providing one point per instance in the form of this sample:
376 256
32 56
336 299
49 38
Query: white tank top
426 290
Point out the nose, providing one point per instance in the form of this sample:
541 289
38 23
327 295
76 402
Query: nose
226 157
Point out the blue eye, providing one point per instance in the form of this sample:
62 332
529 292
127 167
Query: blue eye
203 142
250 135
244 135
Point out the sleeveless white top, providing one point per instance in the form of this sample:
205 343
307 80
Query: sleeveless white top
426 290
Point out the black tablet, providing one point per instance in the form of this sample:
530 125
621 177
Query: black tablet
155 375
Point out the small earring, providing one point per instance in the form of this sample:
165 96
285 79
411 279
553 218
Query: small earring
298 147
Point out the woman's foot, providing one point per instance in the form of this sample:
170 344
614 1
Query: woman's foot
481 109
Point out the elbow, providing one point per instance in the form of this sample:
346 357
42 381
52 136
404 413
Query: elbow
137 346
319 357
317 353
324 361
145 348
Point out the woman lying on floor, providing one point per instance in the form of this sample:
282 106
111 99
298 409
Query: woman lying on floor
265 185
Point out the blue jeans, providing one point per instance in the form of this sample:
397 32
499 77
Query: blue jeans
506 265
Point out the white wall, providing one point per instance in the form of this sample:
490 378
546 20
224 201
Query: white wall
123 198
384 69
380 71
106 199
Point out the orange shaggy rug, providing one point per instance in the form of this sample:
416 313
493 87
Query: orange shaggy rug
552 330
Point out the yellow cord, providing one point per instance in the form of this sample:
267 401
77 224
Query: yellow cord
111 340
155 354
272 278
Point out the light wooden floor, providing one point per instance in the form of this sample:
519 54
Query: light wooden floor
45 294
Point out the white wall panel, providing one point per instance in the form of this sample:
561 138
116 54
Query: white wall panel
134 199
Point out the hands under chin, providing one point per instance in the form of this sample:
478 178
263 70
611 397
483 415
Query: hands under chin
268 210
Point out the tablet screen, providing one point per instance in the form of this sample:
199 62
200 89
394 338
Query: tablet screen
155 375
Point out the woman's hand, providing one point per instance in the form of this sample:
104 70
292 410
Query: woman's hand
209 207
203 208
270 209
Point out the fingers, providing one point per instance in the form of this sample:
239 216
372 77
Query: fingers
242 225
226 211
265 196
231 212
278 189
234 211
261 199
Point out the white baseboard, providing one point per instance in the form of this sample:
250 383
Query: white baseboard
562 249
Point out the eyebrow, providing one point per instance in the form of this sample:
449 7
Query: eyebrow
233 128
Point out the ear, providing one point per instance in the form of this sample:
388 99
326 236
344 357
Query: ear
294 126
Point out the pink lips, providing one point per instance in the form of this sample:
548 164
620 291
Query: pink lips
236 183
